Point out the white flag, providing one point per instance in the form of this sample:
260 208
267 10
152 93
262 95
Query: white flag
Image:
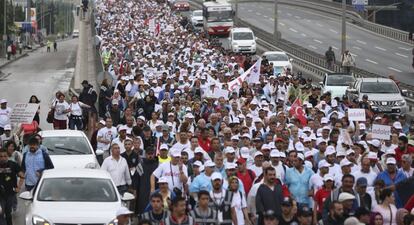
255 72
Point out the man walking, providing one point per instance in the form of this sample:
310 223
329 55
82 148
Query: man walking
9 171
34 162
330 58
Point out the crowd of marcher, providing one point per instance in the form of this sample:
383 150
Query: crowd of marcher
189 130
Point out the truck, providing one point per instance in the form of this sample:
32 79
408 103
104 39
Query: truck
217 18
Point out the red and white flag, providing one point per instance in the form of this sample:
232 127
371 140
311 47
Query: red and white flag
296 111
157 29
255 72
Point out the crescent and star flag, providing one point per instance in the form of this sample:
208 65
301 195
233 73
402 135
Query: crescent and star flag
296 111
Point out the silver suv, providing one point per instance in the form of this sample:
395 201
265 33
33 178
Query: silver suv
383 95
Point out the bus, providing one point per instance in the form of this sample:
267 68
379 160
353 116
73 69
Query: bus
217 18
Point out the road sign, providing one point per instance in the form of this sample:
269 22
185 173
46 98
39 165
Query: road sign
23 112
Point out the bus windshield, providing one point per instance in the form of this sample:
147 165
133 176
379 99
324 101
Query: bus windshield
219 16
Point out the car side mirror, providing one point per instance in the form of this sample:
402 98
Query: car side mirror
352 91
321 83
404 92
127 197
255 38
27 195
290 60
99 152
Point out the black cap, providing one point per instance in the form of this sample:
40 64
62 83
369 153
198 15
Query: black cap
362 211
304 211
286 202
85 82
269 215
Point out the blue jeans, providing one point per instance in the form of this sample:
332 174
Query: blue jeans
75 121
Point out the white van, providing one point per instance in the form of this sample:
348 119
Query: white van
242 40
75 33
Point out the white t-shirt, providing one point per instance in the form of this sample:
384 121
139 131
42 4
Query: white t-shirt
239 202
172 173
108 134
60 107
371 176
5 116
76 109
315 182
180 146
257 170
121 143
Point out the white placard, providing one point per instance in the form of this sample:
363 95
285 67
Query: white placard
356 115
23 112
382 132
221 93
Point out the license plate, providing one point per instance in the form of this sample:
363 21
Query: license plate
220 30
384 109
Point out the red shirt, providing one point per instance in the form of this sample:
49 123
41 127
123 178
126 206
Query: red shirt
320 196
247 180
399 153
204 144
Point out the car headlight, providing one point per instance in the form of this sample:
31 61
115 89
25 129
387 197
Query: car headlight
113 222
235 45
92 165
401 103
37 220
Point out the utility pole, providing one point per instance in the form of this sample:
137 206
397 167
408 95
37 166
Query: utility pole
275 33
343 38
42 15
28 20
5 28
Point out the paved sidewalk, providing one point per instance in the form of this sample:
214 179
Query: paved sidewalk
4 62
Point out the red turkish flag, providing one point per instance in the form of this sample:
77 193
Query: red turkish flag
296 111
157 29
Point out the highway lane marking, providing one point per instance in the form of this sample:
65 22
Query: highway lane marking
319 24
241 7
316 40
298 17
259 14
250 10
272 19
281 23
396 70
361 42
407 49
358 48
293 30
304 35
373 62
334 47
333 31
402 55
265 16
354 55
382 49
308 21
289 14
311 46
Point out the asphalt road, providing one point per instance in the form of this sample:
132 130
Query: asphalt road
41 74
316 31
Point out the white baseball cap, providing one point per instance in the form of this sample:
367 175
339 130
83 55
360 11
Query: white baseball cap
7 127
345 162
209 163
330 150
375 142
123 211
230 166
162 180
323 163
391 161
328 177
164 146
216 176
345 196
274 153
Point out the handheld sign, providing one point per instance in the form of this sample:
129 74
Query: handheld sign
23 112
356 115
382 132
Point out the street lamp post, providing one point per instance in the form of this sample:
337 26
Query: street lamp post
343 38
5 28
275 23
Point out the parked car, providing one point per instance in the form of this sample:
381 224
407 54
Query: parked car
181 5
242 40
336 83
197 18
75 196
70 149
383 94
281 61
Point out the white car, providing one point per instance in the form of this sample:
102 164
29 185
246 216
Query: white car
197 18
75 33
281 61
336 83
70 149
242 40
76 196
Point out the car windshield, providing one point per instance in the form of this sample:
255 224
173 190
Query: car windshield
219 16
379 87
67 145
197 13
339 80
277 57
243 36
77 190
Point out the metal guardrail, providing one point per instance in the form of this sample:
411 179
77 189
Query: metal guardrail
308 60
334 8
